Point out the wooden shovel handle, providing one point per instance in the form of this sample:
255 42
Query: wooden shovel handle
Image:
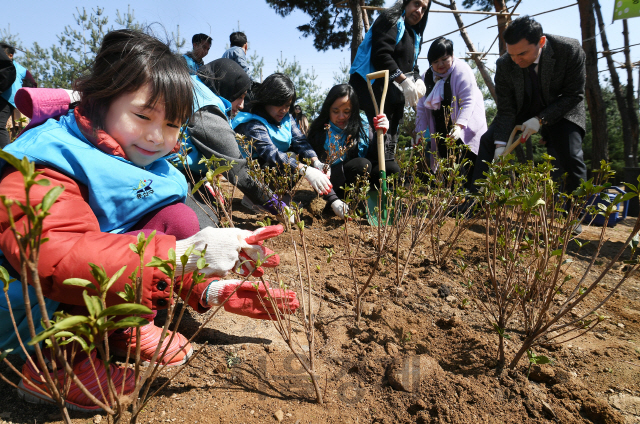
511 145
380 136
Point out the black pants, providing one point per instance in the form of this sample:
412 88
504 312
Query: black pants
564 142
5 113
345 174
394 112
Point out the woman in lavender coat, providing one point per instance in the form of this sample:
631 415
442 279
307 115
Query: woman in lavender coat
453 104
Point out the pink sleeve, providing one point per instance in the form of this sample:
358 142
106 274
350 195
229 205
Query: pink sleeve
421 114
40 104
464 92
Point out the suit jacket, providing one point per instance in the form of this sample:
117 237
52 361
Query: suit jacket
562 78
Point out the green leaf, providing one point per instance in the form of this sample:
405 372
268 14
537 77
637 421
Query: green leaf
13 161
50 198
201 263
172 255
156 262
5 353
80 282
6 278
125 309
89 304
221 169
134 248
556 252
114 278
129 322
197 187
65 324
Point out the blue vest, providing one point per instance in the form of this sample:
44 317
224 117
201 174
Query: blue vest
191 64
10 93
337 140
280 135
120 193
202 97
362 63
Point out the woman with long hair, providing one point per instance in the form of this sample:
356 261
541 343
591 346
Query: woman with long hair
341 135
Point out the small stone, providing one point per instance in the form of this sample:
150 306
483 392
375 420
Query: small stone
252 412
392 349
289 414
407 373
279 415
444 290
548 411
362 384
621 325
451 299
97 419
600 336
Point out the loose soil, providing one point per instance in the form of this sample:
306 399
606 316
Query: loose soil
422 353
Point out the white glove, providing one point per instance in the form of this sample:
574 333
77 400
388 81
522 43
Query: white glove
320 166
318 179
340 208
422 89
529 127
225 249
410 91
498 152
456 132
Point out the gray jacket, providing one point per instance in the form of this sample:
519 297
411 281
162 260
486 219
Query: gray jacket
211 134
562 82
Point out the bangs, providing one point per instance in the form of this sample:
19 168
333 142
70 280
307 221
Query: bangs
171 84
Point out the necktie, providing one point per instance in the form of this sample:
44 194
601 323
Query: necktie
536 94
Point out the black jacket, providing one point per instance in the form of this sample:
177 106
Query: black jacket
562 79
7 72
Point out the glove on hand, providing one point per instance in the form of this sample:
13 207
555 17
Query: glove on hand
381 122
228 249
529 127
340 208
410 91
456 132
318 180
422 89
498 152
246 300
320 166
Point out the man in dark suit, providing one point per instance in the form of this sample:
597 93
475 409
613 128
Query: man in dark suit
539 85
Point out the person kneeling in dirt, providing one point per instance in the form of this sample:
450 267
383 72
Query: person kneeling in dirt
342 127
118 184
219 91
271 133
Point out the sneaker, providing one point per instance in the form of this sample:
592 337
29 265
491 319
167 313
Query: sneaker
120 341
76 400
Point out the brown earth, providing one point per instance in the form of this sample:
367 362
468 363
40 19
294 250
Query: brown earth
417 357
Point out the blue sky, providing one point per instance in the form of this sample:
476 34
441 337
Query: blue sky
272 36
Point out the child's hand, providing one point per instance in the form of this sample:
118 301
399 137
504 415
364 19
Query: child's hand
246 299
229 249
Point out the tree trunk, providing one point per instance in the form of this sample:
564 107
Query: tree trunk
617 89
356 27
631 107
476 57
501 6
593 92
365 18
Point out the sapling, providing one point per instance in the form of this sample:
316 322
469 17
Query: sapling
529 227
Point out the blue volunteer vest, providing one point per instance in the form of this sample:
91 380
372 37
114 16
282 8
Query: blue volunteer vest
120 193
280 135
10 93
191 64
362 63
202 97
337 141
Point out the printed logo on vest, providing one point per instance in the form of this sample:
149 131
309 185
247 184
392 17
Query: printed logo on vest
144 189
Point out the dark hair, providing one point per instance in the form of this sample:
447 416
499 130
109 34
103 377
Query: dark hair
225 78
523 27
276 90
354 128
126 61
237 39
8 48
393 13
199 38
440 47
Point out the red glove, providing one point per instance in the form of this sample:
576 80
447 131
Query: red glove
381 122
246 300
248 256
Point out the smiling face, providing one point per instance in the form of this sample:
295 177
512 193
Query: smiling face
443 64
414 11
524 53
278 112
143 133
340 112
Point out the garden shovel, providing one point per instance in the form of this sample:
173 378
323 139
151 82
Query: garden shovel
511 145
376 200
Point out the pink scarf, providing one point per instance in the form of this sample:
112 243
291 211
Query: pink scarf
434 98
